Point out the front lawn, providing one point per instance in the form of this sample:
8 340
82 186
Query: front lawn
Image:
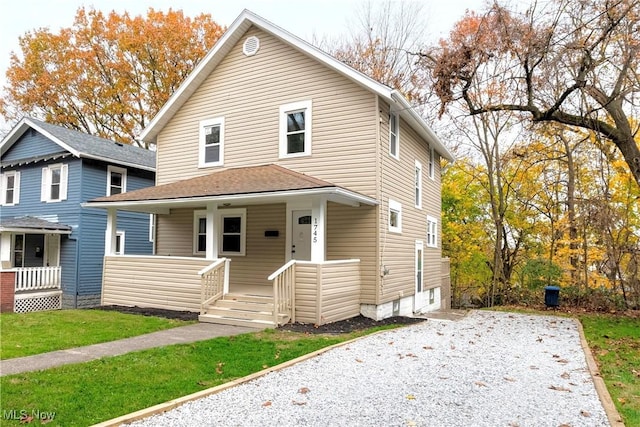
96 391
33 333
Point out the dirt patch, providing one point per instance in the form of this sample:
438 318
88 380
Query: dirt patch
350 325
149 311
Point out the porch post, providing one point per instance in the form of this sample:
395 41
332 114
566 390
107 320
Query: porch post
5 250
110 235
318 229
212 231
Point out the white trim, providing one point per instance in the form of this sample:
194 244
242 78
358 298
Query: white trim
418 185
4 187
394 133
296 107
152 228
122 171
232 213
432 232
119 234
197 216
432 163
47 182
397 208
202 143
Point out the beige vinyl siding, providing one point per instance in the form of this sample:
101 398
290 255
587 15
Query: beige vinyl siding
174 233
248 91
171 283
397 183
351 234
327 292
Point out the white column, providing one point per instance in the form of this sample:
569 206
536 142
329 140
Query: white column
5 250
318 230
212 231
110 234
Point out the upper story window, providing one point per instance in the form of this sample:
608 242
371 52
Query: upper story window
54 183
211 152
116 180
10 188
432 232
432 163
295 129
394 135
395 216
418 184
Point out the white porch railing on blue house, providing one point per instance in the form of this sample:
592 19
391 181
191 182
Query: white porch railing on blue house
37 278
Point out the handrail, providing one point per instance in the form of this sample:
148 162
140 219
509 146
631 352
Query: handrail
284 292
37 278
214 282
281 269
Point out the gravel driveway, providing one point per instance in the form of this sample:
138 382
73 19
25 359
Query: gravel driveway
488 369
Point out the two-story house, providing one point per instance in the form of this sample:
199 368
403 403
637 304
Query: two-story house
289 186
52 248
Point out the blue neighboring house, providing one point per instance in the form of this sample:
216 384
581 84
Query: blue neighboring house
51 246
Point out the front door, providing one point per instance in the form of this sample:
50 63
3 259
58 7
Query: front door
420 298
301 235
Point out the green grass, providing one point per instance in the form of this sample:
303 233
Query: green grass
91 392
33 333
615 344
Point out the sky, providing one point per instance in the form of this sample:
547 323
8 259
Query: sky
304 18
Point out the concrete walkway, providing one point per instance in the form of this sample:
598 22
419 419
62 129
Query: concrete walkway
179 335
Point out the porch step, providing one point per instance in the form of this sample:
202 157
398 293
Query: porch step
235 313
248 298
245 305
213 318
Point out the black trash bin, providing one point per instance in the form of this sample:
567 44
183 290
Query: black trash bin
552 296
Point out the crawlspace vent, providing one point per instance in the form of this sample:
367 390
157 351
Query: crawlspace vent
251 46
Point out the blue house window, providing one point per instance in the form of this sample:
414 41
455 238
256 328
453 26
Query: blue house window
117 180
10 188
54 183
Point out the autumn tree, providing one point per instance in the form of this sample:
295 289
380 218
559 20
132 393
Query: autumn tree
572 62
107 75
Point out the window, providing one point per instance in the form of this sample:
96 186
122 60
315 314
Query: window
18 250
432 232
295 129
232 231
394 135
432 164
395 216
199 232
119 243
10 188
152 227
211 142
418 184
54 183
116 180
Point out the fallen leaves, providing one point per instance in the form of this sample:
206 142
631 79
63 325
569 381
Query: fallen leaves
427 347
219 370
411 397
511 380
559 388
304 390
585 413
480 384
266 404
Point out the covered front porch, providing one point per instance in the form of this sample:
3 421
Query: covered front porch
300 249
30 264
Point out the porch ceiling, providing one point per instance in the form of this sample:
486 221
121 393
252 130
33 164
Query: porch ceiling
239 186
29 224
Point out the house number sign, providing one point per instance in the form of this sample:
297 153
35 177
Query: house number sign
315 230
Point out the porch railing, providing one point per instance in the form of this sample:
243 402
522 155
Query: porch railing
214 282
37 278
284 293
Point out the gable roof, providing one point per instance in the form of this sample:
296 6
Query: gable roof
236 183
233 34
83 145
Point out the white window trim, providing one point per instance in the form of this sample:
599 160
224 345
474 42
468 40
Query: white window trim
242 213
4 187
305 106
217 121
432 165
45 189
197 215
395 132
120 234
418 184
397 207
152 227
432 232
121 171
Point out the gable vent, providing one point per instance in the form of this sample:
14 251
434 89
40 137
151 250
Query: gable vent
251 46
